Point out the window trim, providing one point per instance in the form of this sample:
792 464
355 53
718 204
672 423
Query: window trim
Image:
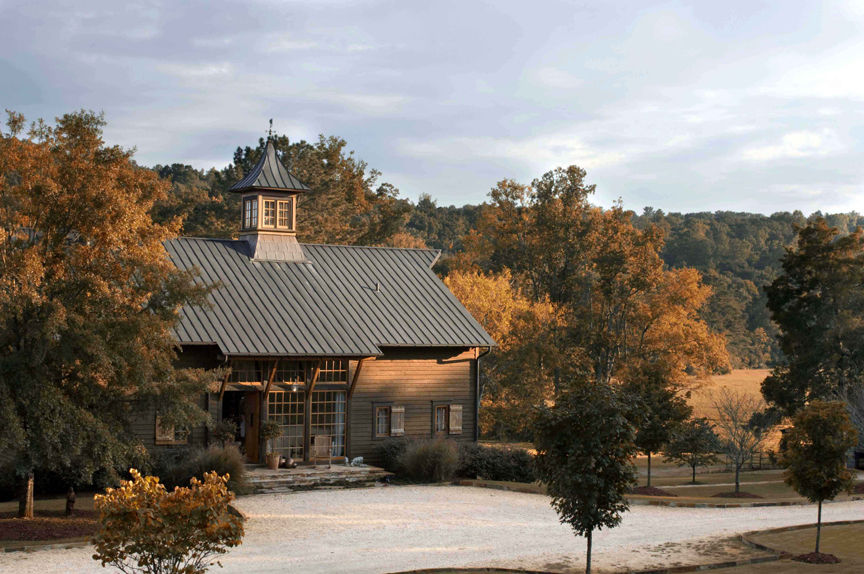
445 406
375 409
289 202
250 212
264 202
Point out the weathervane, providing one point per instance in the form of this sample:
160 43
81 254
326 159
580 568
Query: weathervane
270 131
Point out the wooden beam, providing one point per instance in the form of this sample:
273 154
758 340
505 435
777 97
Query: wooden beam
355 377
307 410
270 380
224 384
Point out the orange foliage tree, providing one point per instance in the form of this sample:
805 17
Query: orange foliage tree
146 529
622 314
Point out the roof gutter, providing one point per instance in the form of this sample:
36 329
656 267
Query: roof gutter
477 393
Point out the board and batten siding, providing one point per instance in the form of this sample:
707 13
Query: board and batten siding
418 380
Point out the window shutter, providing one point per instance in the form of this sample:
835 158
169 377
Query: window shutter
164 433
455 419
397 421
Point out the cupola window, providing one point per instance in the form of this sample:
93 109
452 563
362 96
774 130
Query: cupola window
250 213
286 214
269 213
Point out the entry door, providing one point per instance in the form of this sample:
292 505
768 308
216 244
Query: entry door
252 418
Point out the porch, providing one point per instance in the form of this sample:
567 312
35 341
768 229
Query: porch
266 481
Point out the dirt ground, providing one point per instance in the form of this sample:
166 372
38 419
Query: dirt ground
395 529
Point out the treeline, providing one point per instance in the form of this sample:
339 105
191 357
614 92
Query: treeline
736 253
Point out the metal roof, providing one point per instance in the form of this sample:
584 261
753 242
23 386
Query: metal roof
270 174
346 301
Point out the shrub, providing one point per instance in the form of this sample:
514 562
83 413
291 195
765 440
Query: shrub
176 467
391 451
496 463
429 460
144 528
224 432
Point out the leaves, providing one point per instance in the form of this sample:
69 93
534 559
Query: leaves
146 529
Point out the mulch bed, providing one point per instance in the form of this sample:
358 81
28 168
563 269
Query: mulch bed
741 494
48 525
651 491
817 558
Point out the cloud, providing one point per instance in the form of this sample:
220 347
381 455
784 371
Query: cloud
798 144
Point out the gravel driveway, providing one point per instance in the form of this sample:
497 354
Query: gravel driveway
390 529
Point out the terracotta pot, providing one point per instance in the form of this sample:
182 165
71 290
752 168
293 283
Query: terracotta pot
273 460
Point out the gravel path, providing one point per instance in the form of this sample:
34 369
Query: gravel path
391 529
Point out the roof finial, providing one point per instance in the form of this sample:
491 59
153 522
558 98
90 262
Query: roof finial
270 131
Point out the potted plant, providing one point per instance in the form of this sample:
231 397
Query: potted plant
270 431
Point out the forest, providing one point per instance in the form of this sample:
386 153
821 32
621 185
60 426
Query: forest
737 254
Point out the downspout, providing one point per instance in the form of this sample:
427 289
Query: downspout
477 393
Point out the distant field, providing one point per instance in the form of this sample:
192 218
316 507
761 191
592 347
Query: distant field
748 381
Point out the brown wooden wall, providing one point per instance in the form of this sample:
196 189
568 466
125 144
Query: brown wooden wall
415 379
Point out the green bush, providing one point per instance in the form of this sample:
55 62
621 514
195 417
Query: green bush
176 467
390 452
494 463
429 460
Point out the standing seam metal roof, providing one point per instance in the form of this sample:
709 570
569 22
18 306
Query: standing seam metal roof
326 307
269 173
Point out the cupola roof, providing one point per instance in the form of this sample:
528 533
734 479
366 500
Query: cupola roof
269 175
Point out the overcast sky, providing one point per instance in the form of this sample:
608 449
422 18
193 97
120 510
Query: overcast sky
747 106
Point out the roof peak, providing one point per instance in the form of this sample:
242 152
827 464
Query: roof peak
269 174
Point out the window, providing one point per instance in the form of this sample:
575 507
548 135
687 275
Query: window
333 371
448 419
382 421
327 418
269 213
442 418
288 409
166 434
250 213
286 214
249 371
290 372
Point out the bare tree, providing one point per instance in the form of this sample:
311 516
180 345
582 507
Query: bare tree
739 438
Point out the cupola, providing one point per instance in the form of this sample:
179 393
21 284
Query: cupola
268 209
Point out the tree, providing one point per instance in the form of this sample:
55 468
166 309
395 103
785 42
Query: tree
740 438
520 372
814 453
817 302
694 444
144 529
585 450
88 299
657 411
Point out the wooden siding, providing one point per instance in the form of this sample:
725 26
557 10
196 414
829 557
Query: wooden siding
416 379
144 417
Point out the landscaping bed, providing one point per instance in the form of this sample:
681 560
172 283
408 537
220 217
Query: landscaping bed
48 526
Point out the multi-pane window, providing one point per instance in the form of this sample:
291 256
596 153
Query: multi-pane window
286 215
247 371
442 418
328 418
287 409
292 372
250 213
333 371
269 213
382 421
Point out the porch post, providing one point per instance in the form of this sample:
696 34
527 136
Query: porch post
348 395
307 409
262 413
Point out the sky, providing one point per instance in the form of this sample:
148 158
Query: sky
682 106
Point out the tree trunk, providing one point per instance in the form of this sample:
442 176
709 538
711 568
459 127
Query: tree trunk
694 474
649 469
737 480
588 557
25 496
819 527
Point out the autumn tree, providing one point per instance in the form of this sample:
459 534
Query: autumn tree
623 310
584 457
694 444
740 436
814 453
88 299
145 529
520 372
818 302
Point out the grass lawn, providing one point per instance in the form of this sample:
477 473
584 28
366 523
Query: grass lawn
844 541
